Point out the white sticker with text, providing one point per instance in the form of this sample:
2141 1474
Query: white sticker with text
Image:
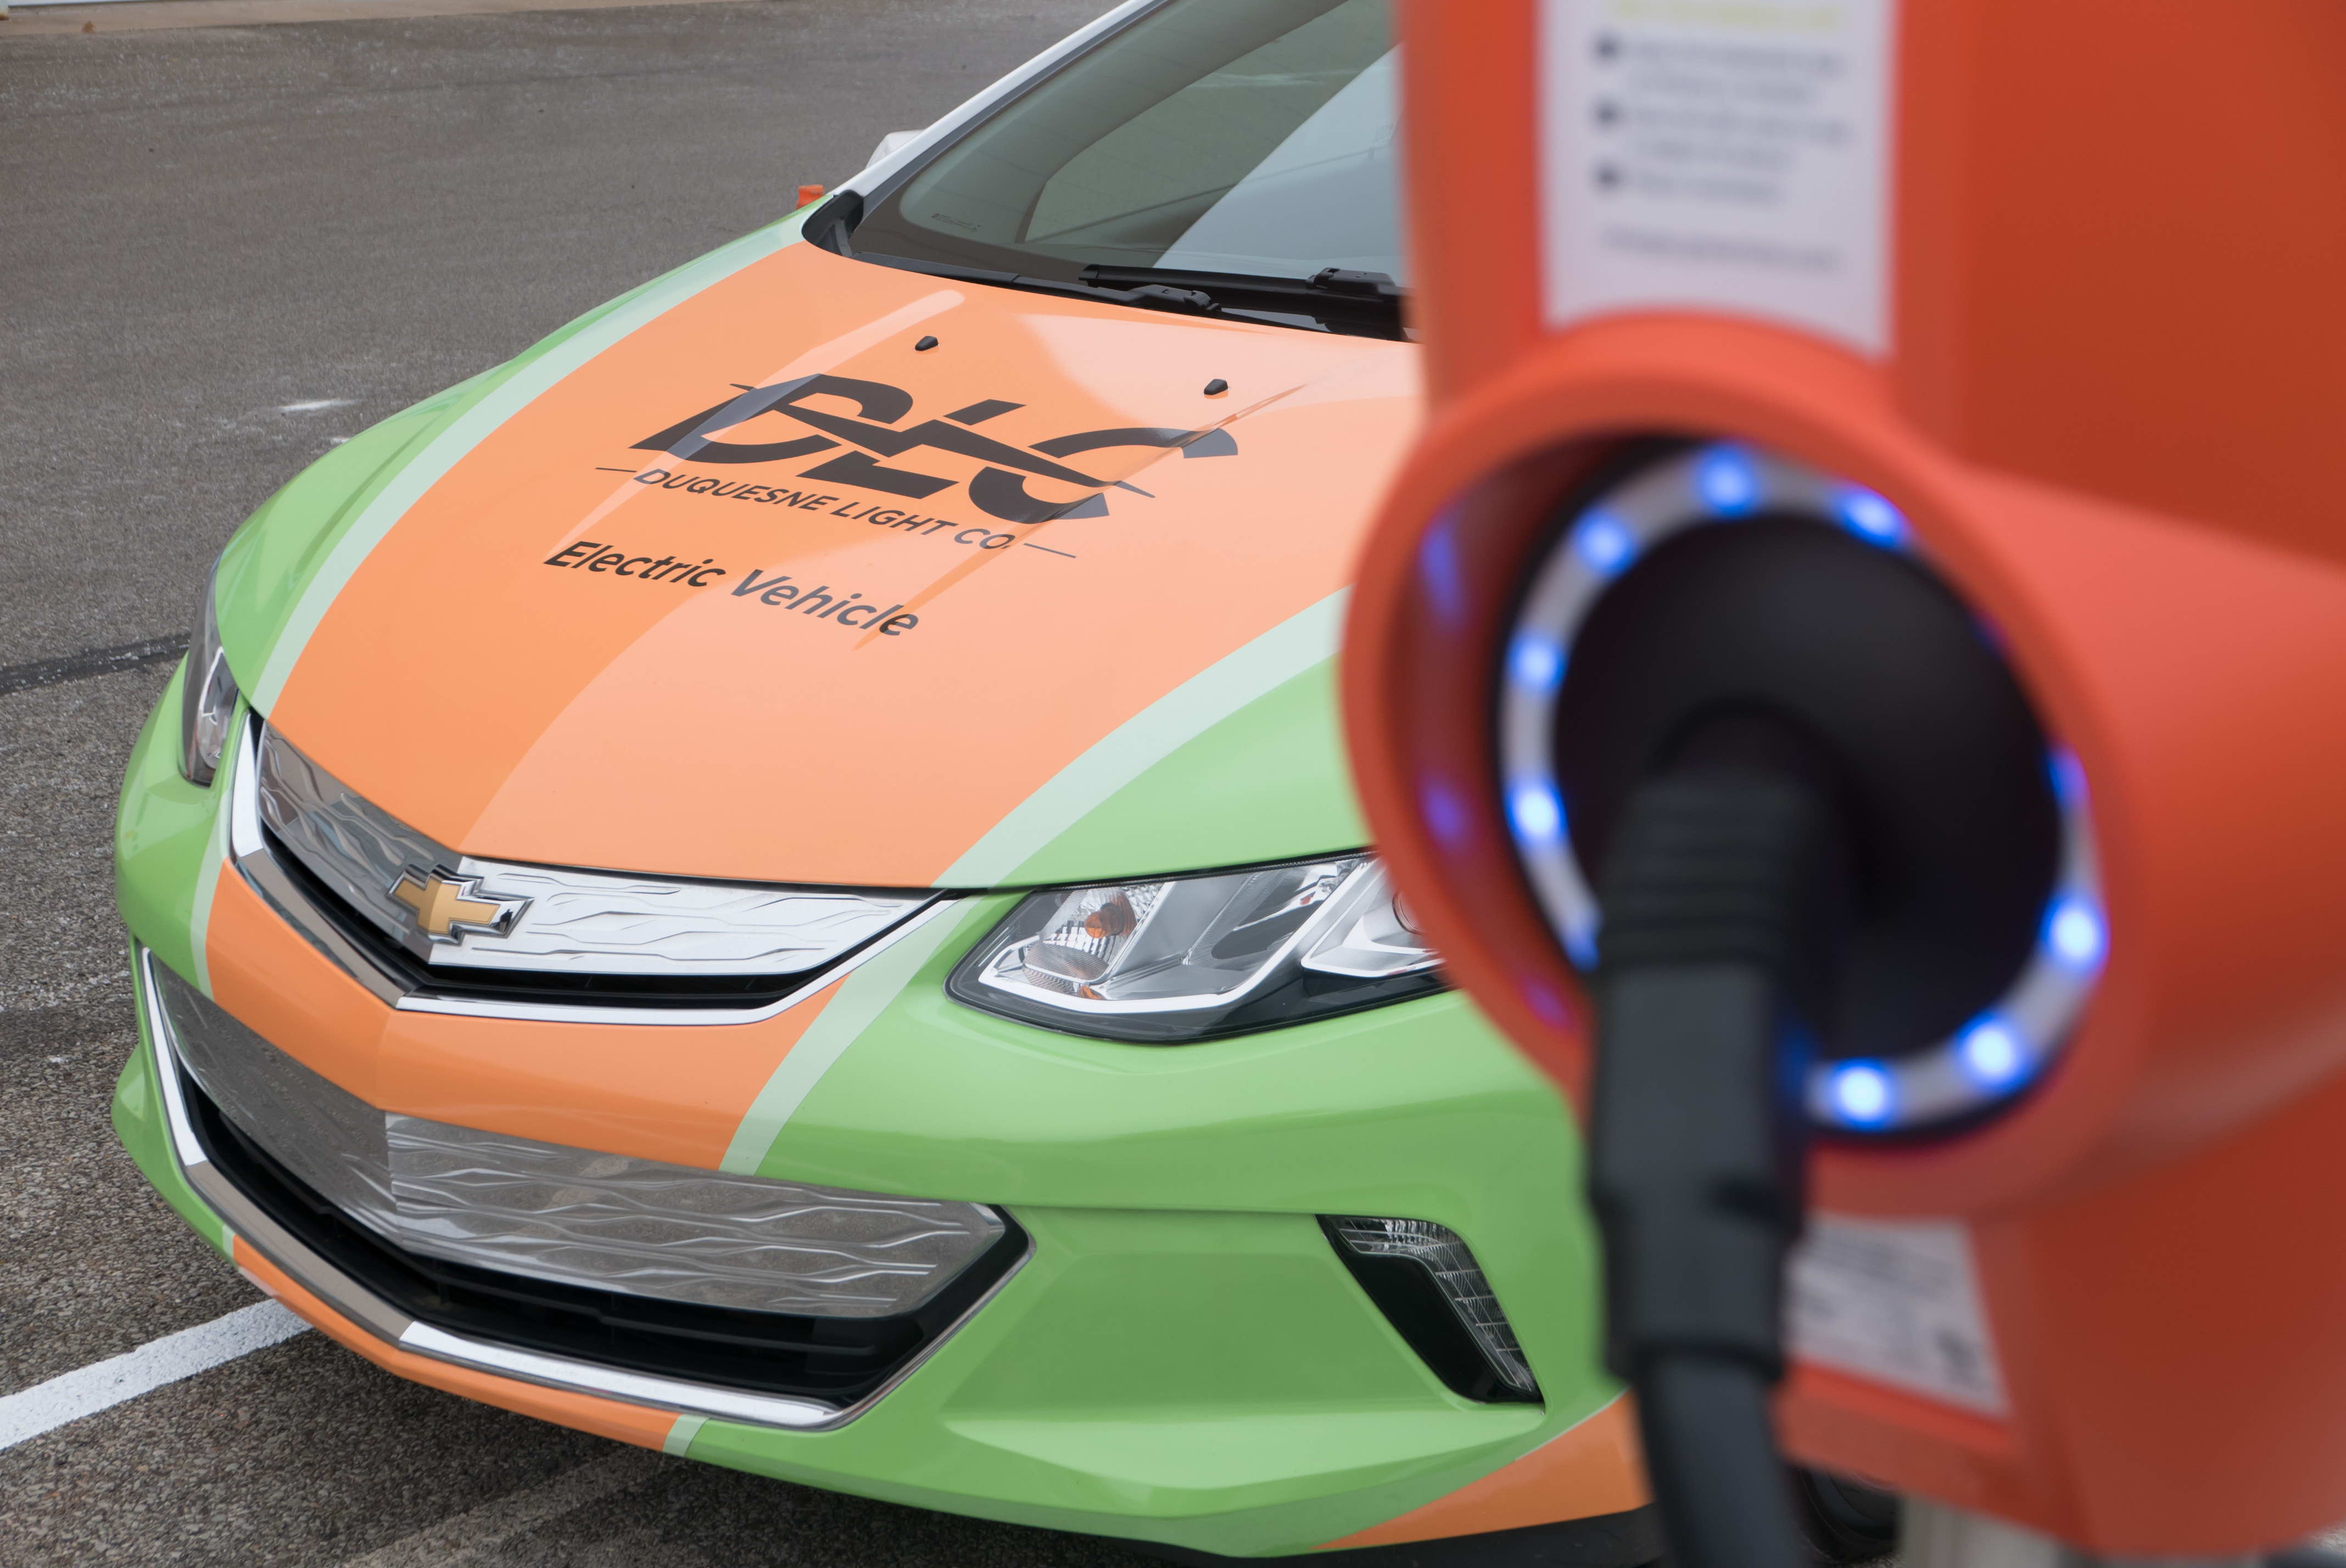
1718 155
1898 1302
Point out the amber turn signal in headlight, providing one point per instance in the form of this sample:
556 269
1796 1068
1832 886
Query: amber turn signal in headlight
1195 958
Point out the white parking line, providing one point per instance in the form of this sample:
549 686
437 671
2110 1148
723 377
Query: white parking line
315 404
464 1537
85 1391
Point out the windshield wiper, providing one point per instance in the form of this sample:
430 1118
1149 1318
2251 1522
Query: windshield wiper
1366 303
1148 296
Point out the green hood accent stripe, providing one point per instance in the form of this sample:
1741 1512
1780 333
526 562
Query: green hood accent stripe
1267 783
862 997
1289 648
1296 645
467 429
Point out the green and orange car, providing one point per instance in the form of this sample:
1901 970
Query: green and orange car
774 878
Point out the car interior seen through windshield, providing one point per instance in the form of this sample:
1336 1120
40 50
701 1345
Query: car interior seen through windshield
1231 158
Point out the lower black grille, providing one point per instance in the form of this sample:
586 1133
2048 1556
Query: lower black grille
836 1359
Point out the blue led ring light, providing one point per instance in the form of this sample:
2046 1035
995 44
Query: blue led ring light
1992 1058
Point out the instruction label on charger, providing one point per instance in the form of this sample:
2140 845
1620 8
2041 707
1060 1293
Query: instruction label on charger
1720 155
1897 1302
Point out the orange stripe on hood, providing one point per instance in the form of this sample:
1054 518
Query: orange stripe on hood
574 715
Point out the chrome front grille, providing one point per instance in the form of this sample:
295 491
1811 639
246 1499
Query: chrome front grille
542 943
556 920
608 1222
654 1230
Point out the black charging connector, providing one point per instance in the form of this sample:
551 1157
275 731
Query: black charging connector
1821 820
1725 892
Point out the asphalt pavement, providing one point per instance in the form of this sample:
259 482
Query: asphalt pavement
223 249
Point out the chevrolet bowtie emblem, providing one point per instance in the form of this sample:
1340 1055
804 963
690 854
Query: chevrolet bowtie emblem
446 907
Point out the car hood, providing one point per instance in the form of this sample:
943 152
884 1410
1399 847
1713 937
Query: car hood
810 569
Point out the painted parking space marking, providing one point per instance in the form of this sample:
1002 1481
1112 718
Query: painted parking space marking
85 1390
469 1537
90 662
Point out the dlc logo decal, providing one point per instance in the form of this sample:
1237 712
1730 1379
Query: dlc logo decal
999 489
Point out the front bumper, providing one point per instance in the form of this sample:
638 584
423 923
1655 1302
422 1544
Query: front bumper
1181 1357
201 1147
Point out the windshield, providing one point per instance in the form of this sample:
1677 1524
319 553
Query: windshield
1240 137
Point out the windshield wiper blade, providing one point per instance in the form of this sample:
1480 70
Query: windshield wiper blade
1369 303
1365 304
1147 296
1329 281
1369 285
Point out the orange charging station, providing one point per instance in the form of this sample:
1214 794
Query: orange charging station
2047 296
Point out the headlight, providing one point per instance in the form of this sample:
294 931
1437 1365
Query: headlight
208 700
1194 958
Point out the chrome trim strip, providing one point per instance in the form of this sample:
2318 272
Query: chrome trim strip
575 921
262 874
452 911
244 800
352 1301
254 861
557 1013
185 1147
636 1388
249 848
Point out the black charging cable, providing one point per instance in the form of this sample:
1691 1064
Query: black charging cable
1725 890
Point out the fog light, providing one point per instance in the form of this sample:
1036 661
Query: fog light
1424 1277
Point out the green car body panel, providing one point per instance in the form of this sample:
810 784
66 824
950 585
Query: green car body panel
1182 1358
